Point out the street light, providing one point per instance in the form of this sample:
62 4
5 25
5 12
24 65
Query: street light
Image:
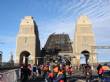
87 57
86 54
1 52
1 57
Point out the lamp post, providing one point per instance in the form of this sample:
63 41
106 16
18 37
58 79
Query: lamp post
86 54
1 57
87 57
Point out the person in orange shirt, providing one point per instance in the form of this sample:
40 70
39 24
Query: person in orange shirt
60 76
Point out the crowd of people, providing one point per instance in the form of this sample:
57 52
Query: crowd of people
58 72
51 73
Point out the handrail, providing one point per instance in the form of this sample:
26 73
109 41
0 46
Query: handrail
8 67
10 75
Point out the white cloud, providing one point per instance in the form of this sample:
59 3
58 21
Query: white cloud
97 10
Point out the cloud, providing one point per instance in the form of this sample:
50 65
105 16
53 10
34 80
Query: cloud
60 16
92 8
98 12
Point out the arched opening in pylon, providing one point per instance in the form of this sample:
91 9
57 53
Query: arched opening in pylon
24 58
84 57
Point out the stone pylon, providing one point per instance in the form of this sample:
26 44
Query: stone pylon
83 40
27 42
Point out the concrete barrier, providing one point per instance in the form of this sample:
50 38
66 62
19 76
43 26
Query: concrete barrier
10 75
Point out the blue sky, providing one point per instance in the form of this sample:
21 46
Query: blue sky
59 15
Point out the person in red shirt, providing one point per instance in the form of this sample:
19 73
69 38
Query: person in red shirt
100 71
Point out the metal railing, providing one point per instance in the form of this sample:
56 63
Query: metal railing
10 75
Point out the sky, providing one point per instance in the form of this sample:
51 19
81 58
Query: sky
54 16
